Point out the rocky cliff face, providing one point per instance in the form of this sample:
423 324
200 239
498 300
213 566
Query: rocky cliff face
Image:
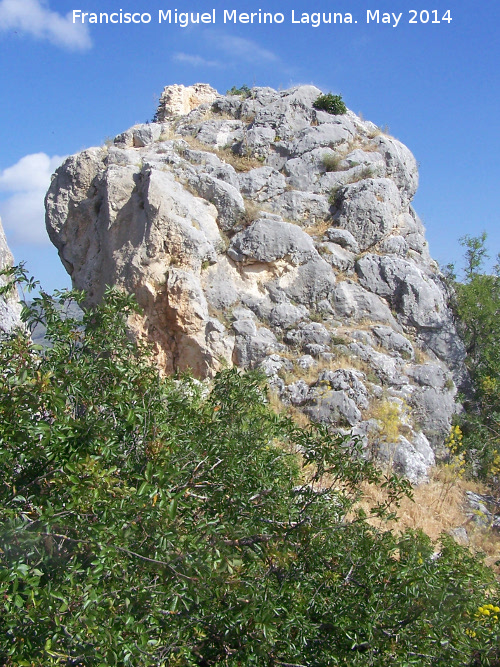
10 310
261 232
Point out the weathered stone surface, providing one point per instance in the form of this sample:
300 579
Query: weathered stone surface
314 281
336 256
301 207
272 364
297 393
269 240
433 410
262 184
420 300
238 222
353 302
349 381
393 341
225 197
252 344
332 407
401 165
342 238
306 333
178 100
414 459
369 209
10 310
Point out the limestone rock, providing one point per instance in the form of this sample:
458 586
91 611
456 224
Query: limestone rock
10 310
369 210
177 100
332 407
261 232
413 459
267 241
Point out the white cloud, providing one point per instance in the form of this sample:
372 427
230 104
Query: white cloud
35 18
243 49
25 184
196 61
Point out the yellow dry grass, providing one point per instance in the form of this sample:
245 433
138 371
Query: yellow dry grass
240 163
318 229
310 374
438 507
294 413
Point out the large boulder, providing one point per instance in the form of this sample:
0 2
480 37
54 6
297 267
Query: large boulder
258 231
177 100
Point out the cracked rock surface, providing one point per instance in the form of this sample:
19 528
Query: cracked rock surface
261 232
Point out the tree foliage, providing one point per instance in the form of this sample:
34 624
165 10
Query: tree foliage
477 304
156 521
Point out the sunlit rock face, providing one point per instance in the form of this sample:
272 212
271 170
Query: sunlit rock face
258 231
10 309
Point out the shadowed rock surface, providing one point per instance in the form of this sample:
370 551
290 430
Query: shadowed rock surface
262 232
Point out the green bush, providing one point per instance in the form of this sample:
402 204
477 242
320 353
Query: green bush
331 103
476 302
243 91
156 521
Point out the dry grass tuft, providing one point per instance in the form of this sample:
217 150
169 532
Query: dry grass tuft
196 144
310 374
252 213
240 163
436 508
318 229
294 413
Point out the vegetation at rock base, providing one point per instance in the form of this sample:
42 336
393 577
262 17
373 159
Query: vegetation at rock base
477 305
158 521
333 104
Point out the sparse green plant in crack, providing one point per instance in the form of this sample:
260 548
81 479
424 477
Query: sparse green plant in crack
339 340
332 104
359 175
251 214
336 195
366 172
331 162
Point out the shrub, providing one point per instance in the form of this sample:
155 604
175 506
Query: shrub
148 520
476 300
331 103
243 91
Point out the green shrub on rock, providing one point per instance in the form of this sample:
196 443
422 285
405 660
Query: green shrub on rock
244 91
156 521
333 104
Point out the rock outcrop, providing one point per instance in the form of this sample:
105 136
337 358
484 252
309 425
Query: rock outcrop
262 232
10 310
180 100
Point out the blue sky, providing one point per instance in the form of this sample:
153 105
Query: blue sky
65 87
